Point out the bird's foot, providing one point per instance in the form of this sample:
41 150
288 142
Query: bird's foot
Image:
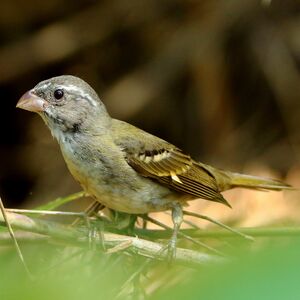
171 254
96 236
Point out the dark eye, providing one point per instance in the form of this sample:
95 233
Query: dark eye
58 94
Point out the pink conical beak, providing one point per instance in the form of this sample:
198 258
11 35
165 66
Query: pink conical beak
31 102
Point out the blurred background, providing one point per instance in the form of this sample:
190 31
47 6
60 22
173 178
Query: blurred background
220 79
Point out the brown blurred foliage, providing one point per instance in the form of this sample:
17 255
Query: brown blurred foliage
220 79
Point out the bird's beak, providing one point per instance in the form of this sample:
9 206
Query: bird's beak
29 101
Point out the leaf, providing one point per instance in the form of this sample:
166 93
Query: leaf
60 201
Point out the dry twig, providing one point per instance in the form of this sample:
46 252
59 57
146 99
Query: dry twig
12 235
80 236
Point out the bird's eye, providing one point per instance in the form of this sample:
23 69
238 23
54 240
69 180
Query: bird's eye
58 94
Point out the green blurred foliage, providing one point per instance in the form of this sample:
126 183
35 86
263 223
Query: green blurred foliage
269 274
60 273
72 273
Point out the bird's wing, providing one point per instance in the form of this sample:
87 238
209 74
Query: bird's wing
155 158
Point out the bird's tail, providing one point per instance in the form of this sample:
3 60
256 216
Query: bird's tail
255 182
227 180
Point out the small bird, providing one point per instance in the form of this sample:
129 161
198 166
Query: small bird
122 166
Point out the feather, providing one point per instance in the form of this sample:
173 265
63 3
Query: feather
159 160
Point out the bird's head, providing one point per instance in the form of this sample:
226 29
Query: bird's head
67 104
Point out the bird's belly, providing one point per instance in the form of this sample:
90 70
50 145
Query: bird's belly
122 191
121 196
127 201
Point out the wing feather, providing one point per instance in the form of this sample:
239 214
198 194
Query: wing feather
178 171
159 160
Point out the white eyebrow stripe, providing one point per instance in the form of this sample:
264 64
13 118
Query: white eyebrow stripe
45 86
79 91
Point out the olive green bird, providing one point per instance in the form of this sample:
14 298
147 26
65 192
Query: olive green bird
122 166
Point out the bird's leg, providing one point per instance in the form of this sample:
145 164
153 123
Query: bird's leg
177 218
185 236
132 221
93 208
94 231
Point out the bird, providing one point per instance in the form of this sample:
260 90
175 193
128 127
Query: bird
123 167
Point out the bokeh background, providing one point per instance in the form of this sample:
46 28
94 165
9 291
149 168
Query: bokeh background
220 79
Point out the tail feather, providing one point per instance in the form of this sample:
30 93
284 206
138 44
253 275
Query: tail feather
227 180
256 182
